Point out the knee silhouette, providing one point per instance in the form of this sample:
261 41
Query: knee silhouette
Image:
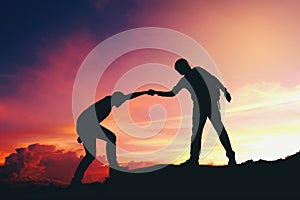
113 139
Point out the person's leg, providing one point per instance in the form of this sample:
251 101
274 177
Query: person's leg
227 146
223 136
196 139
197 129
82 167
110 147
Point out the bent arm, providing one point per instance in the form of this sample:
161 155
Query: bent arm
223 88
208 76
219 84
216 82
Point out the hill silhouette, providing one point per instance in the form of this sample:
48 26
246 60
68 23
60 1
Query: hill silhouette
259 179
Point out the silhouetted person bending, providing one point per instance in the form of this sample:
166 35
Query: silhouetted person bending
89 129
205 93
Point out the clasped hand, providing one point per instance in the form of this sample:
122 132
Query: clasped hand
151 92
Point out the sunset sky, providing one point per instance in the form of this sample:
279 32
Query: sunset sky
255 46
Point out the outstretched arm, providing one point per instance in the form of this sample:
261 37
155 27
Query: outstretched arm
180 85
164 93
135 94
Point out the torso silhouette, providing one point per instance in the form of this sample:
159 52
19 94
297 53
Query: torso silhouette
201 85
103 108
99 111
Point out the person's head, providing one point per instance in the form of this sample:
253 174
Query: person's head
182 66
117 99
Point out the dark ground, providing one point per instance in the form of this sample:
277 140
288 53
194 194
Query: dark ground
255 180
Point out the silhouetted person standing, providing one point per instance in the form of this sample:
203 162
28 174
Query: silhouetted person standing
205 93
89 129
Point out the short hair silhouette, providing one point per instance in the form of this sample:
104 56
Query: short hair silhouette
182 66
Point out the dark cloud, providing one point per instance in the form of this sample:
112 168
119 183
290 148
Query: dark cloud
46 164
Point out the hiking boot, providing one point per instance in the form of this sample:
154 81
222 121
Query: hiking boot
231 157
75 182
190 163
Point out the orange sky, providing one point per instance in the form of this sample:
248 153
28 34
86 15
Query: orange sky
255 45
